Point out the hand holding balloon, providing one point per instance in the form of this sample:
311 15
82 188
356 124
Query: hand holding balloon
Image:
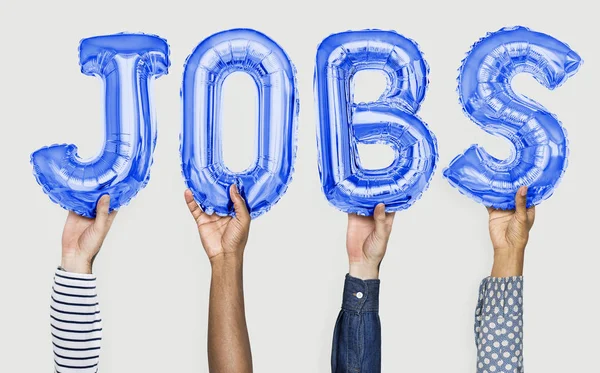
366 242
224 239
83 237
509 231
222 236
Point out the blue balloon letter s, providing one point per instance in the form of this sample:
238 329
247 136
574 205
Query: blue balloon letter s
390 120
127 64
539 156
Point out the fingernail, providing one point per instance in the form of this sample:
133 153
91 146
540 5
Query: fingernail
235 189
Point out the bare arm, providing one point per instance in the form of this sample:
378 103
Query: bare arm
224 240
228 341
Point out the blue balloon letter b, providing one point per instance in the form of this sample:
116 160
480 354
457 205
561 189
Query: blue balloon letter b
127 64
390 120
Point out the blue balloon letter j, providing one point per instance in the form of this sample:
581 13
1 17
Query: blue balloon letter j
127 65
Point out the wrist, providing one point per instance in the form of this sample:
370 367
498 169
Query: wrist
364 271
226 261
508 263
76 265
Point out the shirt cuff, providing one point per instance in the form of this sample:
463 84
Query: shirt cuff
360 295
502 295
74 284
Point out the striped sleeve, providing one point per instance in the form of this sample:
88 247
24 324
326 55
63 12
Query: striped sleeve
75 322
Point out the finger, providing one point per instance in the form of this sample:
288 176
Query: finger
389 218
195 210
112 217
531 214
239 205
383 225
490 209
102 208
521 203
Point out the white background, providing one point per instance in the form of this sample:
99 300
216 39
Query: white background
153 273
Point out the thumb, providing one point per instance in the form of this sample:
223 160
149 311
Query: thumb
521 204
382 226
239 205
101 221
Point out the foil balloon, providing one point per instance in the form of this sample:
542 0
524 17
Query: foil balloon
539 143
127 65
206 69
391 120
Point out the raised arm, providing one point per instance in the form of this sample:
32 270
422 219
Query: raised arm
499 313
74 311
357 335
224 240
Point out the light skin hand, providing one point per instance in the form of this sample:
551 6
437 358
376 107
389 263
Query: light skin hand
83 237
509 232
366 242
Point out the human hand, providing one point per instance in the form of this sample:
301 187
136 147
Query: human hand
222 236
83 237
366 242
509 231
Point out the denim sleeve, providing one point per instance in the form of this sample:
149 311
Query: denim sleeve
499 325
357 335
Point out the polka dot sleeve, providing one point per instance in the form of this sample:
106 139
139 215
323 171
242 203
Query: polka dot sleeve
499 325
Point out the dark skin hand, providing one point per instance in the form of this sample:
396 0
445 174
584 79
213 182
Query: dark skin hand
222 235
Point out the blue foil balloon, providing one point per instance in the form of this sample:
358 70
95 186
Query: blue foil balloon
127 65
391 120
539 143
205 173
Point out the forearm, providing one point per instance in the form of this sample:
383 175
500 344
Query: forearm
508 263
499 325
228 341
357 336
76 322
